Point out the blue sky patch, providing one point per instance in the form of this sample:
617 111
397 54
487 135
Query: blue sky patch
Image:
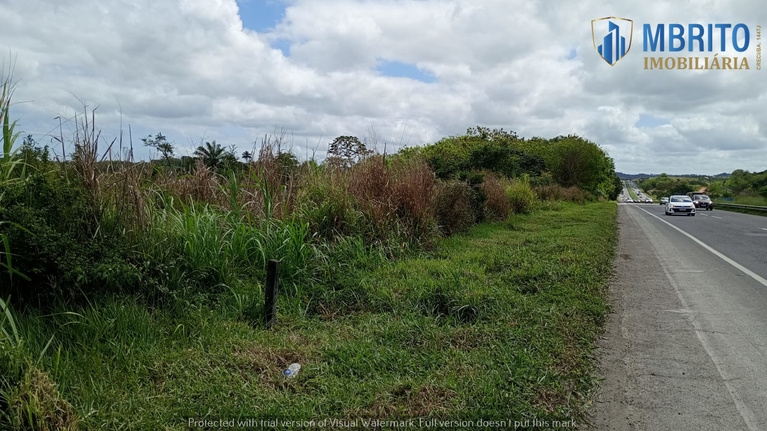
261 15
283 45
651 121
399 69
572 54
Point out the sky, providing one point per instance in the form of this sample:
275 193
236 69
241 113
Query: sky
396 73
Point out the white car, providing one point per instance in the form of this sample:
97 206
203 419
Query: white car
680 204
648 200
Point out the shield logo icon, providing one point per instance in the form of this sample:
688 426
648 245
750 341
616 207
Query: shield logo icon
608 35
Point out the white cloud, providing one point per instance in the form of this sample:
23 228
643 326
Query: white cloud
189 69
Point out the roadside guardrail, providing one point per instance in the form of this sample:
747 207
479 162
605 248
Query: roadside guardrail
738 206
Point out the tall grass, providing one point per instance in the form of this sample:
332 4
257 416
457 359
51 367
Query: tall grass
497 202
555 192
197 247
29 397
9 164
12 168
453 205
521 195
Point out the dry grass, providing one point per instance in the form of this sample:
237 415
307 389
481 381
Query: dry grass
414 190
497 202
555 192
394 196
371 185
86 156
408 401
37 405
203 185
453 207
264 366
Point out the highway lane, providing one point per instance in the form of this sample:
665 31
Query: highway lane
686 347
741 237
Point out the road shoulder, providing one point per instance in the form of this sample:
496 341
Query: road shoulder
657 374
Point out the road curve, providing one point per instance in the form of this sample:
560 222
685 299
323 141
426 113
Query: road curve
686 345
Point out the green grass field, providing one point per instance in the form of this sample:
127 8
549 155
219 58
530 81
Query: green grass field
497 324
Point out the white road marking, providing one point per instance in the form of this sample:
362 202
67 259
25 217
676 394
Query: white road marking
717 217
764 228
738 266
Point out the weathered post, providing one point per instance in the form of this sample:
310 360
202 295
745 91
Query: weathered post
272 285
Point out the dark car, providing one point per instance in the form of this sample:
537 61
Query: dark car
703 201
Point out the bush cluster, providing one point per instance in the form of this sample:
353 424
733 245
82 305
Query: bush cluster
167 231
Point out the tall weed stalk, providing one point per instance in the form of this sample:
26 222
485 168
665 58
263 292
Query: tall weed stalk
10 164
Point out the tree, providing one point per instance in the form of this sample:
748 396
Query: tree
348 150
247 156
511 162
161 144
739 180
716 189
212 154
577 162
229 159
617 187
680 188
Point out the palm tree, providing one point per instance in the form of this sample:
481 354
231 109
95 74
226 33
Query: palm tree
247 156
212 154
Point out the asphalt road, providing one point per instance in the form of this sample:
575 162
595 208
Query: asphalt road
686 345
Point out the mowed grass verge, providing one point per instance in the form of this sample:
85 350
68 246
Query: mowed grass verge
496 324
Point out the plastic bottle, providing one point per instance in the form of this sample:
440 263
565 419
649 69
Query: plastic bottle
292 370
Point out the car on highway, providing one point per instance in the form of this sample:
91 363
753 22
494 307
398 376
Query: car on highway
703 201
680 204
629 201
648 200
664 200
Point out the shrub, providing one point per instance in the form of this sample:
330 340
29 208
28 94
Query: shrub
453 203
394 198
575 194
54 235
497 203
549 192
555 192
521 196
414 192
370 183
475 179
324 202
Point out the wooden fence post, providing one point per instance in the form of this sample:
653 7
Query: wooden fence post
272 286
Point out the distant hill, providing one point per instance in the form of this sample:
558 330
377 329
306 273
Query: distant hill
623 176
